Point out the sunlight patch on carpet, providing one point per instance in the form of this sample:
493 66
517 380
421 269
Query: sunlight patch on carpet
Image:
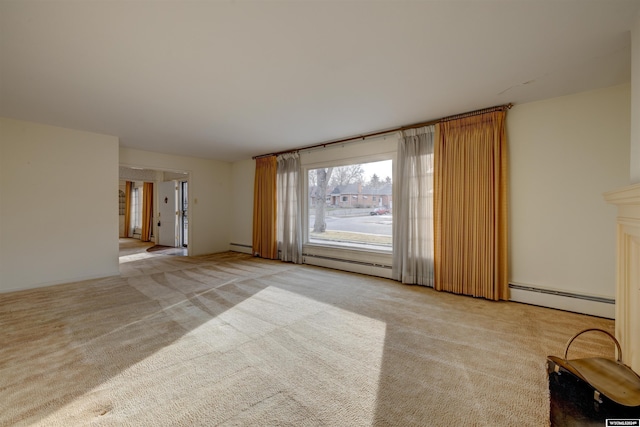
276 355
136 257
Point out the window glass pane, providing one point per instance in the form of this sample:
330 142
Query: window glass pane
136 208
351 205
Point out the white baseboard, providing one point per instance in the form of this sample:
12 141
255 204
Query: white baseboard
351 266
239 247
585 304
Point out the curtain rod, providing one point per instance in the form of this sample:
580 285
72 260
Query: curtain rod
398 129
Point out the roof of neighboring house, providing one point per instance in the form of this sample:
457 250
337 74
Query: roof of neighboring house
384 189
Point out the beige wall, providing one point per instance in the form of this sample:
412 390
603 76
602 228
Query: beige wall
59 217
58 205
242 179
209 195
564 154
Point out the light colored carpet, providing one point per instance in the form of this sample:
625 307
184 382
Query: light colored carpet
230 340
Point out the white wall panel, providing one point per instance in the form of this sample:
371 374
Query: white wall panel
59 205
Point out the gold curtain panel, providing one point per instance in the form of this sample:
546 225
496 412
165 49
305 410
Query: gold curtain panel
147 211
264 209
470 207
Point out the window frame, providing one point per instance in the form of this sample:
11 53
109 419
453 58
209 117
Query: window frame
136 221
312 248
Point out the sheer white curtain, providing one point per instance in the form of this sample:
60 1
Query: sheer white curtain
413 208
289 197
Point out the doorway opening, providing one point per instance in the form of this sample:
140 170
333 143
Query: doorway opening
169 216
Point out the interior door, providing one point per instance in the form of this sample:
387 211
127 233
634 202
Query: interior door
168 214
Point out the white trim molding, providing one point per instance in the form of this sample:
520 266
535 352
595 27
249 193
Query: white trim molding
627 200
594 305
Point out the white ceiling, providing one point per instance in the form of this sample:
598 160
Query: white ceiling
231 79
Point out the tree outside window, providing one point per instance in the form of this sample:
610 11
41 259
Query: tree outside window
351 205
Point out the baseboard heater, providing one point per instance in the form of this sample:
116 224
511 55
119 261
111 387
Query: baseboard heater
348 261
580 303
240 245
563 294
241 248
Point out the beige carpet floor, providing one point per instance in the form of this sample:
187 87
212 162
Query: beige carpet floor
231 340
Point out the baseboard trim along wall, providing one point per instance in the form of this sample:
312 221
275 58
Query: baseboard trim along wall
239 247
362 267
586 304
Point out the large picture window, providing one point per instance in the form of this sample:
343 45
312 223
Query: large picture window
351 205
